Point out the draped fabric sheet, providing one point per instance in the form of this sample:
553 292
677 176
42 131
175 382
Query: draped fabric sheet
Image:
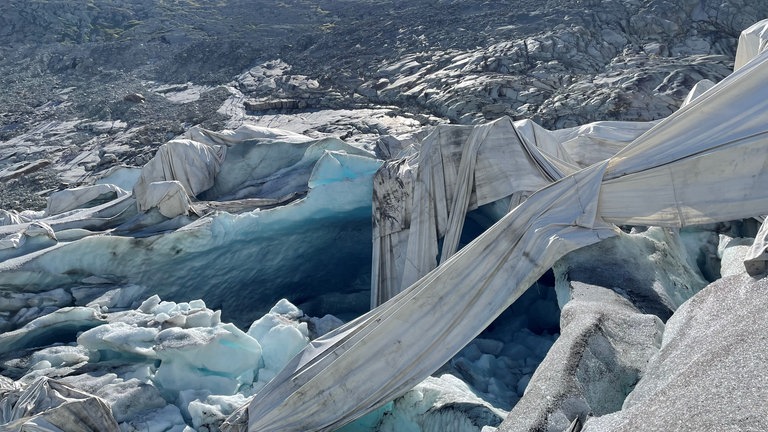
422 200
47 405
168 197
752 41
193 164
71 199
705 163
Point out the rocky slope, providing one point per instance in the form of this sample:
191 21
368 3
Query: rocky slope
67 67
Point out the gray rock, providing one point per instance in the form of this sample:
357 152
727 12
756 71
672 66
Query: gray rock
602 351
135 98
68 66
710 373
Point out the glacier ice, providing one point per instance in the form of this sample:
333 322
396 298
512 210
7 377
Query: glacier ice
154 372
162 365
232 216
661 277
313 200
442 403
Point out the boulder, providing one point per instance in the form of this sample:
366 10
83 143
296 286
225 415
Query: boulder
712 354
603 350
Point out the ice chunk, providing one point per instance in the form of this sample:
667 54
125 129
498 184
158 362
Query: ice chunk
60 356
149 304
59 326
284 307
444 403
280 335
281 343
219 359
165 419
321 326
119 339
211 411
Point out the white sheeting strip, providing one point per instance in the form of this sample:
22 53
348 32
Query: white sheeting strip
705 163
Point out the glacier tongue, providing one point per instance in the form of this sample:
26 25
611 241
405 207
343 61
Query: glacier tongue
465 221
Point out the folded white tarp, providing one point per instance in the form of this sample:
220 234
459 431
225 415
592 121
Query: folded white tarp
169 197
705 163
191 163
32 229
752 41
47 405
423 199
457 169
11 217
75 198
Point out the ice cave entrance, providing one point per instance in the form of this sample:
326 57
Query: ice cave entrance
499 363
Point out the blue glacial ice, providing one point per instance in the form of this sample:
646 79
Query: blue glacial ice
241 262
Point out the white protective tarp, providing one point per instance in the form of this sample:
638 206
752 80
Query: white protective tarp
191 163
48 405
168 197
75 198
705 163
457 169
11 217
32 229
752 41
422 200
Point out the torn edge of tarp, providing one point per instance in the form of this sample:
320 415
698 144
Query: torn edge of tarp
756 259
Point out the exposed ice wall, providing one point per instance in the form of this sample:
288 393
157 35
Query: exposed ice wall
242 262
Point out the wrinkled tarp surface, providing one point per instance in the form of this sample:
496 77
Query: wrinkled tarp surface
193 164
752 41
47 405
75 198
422 200
705 163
